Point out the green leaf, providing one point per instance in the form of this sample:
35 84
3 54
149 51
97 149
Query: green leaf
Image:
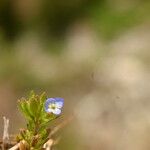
34 106
30 125
43 97
31 94
25 109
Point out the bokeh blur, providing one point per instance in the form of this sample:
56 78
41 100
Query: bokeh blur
93 53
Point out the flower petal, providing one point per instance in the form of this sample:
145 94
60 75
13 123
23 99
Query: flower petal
49 110
59 102
50 100
56 111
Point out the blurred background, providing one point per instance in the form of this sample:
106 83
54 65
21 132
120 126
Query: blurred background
93 53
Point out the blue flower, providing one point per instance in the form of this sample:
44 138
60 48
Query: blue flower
54 105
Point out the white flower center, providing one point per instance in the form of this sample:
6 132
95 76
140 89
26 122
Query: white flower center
52 106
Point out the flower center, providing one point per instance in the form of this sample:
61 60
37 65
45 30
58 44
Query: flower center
52 106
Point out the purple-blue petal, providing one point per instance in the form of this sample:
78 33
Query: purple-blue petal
57 111
59 99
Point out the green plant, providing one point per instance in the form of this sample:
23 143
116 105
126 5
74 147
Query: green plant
39 111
